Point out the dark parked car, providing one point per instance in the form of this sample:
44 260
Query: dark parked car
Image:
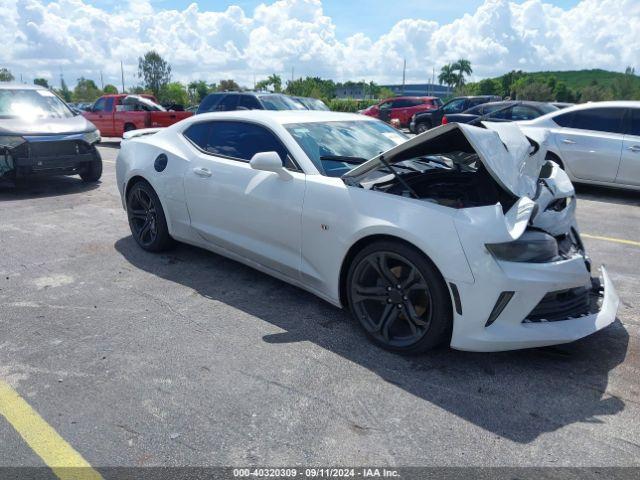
509 111
226 101
41 135
423 121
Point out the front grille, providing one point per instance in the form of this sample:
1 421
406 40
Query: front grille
58 149
565 305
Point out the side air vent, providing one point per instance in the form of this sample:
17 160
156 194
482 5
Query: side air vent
501 303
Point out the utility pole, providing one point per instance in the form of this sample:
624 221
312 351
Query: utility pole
404 74
122 73
101 81
292 74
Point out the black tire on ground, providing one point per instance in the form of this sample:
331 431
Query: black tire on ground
146 218
380 301
422 127
129 126
92 171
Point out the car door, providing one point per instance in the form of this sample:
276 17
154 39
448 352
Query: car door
252 213
629 171
399 110
590 142
101 116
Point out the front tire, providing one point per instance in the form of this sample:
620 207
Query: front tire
399 298
92 171
146 218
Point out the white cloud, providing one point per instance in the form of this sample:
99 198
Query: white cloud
41 38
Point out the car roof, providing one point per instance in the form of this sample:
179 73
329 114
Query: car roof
514 102
283 117
20 86
610 103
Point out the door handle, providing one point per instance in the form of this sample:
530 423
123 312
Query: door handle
202 172
568 142
634 148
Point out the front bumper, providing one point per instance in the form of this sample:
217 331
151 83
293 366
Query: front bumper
48 156
530 283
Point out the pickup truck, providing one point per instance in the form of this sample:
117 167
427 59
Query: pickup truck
116 114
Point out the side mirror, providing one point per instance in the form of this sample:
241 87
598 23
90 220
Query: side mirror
270 162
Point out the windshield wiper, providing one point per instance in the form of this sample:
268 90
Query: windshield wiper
344 158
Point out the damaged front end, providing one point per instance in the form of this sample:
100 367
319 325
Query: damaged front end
515 218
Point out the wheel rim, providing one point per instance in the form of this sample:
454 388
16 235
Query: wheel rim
422 128
143 217
391 299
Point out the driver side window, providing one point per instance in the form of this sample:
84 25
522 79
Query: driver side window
237 140
454 106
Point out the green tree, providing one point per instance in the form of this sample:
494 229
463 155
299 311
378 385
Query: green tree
447 76
41 81
594 93
463 67
6 75
228 86
110 89
315 87
154 71
86 90
64 91
562 93
198 90
489 86
174 93
274 81
624 88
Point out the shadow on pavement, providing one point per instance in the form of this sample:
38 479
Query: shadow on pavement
40 187
607 195
516 395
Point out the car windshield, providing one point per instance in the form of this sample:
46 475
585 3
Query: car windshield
312 103
337 147
32 104
280 102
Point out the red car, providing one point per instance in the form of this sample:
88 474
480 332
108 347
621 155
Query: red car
399 110
116 114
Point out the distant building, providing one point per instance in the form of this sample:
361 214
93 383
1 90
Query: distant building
420 89
412 89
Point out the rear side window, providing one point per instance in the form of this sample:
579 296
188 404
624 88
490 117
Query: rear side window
236 140
595 119
228 103
634 122
209 103
249 102
523 112
100 105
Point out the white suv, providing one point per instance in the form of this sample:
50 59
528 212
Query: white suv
596 143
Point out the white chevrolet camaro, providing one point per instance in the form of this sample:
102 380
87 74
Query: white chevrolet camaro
463 234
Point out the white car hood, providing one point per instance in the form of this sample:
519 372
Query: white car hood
505 151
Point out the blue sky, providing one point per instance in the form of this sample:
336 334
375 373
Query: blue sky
341 40
373 17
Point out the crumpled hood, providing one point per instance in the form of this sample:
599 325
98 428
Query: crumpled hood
504 150
45 126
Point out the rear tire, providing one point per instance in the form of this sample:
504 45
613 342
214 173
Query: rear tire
399 298
146 218
422 127
92 171
129 126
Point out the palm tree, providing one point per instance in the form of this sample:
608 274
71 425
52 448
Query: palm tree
463 67
447 76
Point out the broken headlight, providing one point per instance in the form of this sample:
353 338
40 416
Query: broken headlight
91 137
532 246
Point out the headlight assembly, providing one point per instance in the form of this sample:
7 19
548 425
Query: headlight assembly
91 137
532 246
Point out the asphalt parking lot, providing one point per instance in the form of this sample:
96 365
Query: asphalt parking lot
189 358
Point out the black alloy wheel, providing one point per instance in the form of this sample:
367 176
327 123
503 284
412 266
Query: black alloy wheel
146 218
399 298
